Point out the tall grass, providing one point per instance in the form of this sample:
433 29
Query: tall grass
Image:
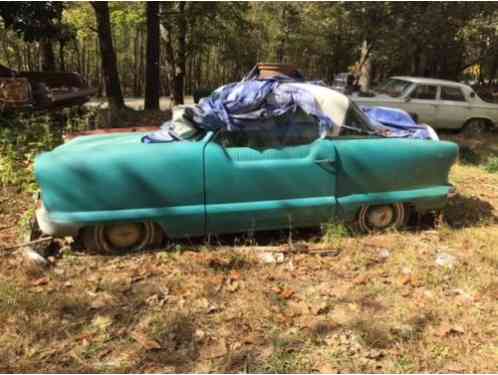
23 136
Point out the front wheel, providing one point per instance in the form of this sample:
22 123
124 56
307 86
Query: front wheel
121 237
382 217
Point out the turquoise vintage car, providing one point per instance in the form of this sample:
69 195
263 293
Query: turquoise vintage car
117 193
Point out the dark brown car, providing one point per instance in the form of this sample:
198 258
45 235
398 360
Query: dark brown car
41 90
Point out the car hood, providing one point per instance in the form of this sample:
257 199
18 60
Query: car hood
90 143
376 96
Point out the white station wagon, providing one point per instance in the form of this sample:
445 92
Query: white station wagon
440 103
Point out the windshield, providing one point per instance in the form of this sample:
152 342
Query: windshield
394 87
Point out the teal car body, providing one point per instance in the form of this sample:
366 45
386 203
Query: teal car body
202 186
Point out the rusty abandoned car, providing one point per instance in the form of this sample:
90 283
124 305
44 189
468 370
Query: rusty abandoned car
23 91
260 154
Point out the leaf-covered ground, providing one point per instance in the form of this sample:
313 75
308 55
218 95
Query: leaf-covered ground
420 300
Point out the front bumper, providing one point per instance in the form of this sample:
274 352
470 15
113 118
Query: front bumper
52 228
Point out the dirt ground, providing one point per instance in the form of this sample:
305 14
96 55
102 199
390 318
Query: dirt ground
418 300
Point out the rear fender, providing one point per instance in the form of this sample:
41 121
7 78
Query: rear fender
422 200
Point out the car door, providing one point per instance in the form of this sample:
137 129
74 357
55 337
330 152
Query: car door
453 108
422 101
259 180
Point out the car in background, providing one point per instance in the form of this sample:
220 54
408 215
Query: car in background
25 91
343 82
442 104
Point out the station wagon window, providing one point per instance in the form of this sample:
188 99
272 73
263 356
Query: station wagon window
288 130
452 93
394 87
424 92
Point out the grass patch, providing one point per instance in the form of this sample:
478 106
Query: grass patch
381 304
492 165
287 357
334 233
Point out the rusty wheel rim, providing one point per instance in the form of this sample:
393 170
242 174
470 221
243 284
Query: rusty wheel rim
382 217
122 237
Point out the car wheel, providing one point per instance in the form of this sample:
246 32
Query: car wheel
382 217
121 237
475 127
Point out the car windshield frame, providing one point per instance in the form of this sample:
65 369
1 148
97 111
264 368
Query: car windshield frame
181 127
362 116
389 87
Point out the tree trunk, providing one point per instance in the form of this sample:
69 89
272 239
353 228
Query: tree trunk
152 77
47 56
6 50
27 53
108 56
493 69
365 68
62 63
141 64
170 56
136 59
178 82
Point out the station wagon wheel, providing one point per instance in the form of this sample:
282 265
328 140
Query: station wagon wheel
382 217
121 237
476 126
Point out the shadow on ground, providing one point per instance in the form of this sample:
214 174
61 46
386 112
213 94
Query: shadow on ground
460 212
463 211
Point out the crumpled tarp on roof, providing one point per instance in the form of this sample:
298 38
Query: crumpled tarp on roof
251 104
398 123
255 103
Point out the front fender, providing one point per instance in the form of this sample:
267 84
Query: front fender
97 182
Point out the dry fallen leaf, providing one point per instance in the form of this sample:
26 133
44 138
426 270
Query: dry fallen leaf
406 279
287 293
360 280
214 350
326 369
319 308
147 343
448 330
233 286
40 281
101 300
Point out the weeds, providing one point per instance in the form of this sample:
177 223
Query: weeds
234 261
492 165
334 233
469 155
286 358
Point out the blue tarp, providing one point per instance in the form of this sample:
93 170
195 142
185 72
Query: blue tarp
255 103
252 103
397 122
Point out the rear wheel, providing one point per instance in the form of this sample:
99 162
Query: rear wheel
382 217
121 237
476 127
